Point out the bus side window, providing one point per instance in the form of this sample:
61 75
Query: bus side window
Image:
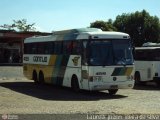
139 55
67 47
26 48
40 48
48 48
156 54
150 55
58 48
77 47
143 55
51 47
33 48
74 47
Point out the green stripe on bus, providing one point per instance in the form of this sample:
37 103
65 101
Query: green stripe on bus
120 71
60 69
116 71
57 67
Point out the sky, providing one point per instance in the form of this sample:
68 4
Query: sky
53 15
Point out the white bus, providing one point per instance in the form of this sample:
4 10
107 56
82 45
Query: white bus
88 59
147 63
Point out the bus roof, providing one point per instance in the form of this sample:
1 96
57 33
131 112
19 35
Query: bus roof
76 31
150 44
147 48
78 34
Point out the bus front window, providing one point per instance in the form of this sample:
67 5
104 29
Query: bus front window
106 53
101 53
122 52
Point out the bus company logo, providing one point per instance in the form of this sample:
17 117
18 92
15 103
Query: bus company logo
75 61
40 59
9 117
4 117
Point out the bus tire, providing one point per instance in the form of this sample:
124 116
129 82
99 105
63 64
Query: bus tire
41 77
157 82
137 78
112 91
74 83
34 77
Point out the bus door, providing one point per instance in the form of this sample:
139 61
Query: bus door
85 77
84 67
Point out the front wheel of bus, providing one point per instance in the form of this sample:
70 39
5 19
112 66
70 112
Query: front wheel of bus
137 78
112 92
34 77
74 84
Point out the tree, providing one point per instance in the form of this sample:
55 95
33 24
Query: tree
20 25
6 26
105 26
140 25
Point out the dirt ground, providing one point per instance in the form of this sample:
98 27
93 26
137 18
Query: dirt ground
21 96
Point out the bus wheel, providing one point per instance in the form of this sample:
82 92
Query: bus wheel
34 77
41 77
112 91
158 83
137 78
74 84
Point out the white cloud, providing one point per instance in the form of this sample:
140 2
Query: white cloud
40 29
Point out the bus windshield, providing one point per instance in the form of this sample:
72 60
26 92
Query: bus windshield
110 52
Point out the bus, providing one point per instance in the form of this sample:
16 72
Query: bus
147 63
83 59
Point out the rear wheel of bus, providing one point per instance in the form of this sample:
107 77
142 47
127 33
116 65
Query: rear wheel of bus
41 77
112 91
34 77
157 82
137 78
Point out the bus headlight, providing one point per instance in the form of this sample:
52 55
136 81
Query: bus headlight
91 78
130 77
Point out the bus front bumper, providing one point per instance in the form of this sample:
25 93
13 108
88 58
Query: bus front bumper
107 86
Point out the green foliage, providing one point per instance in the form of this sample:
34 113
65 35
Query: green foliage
20 25
105 26
140 25
7 27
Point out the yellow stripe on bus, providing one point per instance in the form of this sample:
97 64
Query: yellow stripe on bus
52 60
129 71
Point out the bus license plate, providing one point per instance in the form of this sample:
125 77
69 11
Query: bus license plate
114 87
